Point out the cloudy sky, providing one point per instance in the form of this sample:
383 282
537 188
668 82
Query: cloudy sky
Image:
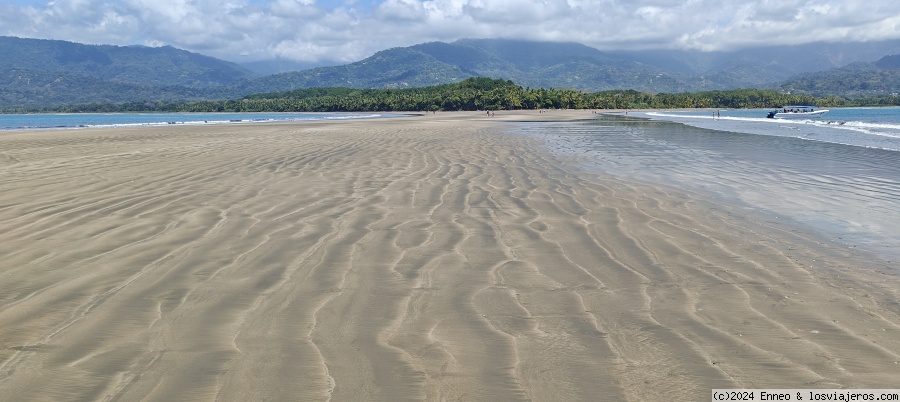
349 30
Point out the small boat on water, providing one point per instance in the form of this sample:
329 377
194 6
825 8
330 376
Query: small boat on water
796 112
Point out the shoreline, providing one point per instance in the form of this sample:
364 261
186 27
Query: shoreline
825 129
843 193
120 125
429 257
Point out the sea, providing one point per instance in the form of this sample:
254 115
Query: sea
837 176
88 120
865 127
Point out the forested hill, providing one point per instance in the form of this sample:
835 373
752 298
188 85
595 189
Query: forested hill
576 66
128 64
35 72
47 73
474 94
532 64
478 94
853 80
495 94
889 62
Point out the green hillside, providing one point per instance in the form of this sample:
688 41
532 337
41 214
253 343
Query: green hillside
853 80
48 72
30 88
134 64
392 68
533 64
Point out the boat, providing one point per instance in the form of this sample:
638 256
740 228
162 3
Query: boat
796 112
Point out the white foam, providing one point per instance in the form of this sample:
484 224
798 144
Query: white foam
875 135
89 120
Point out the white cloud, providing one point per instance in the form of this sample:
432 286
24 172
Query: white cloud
348 30
401 10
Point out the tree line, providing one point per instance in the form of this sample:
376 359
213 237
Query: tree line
471 94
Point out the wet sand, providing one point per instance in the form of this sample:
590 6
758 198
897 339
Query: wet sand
424 258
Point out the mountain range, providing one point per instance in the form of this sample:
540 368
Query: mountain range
49 72
576 66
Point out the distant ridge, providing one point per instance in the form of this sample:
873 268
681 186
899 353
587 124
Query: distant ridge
135 64
534 64
889 62
576 66
52 72
853 80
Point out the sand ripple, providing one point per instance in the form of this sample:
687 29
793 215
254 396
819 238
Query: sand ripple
420 258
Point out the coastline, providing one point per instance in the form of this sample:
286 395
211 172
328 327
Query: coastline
115 120
428 257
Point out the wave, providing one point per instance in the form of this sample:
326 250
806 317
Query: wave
883 129
876 128
867 134
360 116
118 120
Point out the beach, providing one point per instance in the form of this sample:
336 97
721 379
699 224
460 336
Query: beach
431 257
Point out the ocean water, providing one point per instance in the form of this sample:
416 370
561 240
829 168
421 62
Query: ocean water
83 120
867 127
837 178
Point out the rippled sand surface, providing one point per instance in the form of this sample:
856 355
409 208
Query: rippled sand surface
421 258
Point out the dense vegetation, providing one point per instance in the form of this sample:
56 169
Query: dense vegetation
472 94
39 73
853 80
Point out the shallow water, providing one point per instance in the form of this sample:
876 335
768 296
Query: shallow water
83 120
849 194
866 127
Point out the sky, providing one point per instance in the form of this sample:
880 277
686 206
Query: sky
343 31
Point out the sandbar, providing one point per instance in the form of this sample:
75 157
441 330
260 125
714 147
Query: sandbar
430 257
